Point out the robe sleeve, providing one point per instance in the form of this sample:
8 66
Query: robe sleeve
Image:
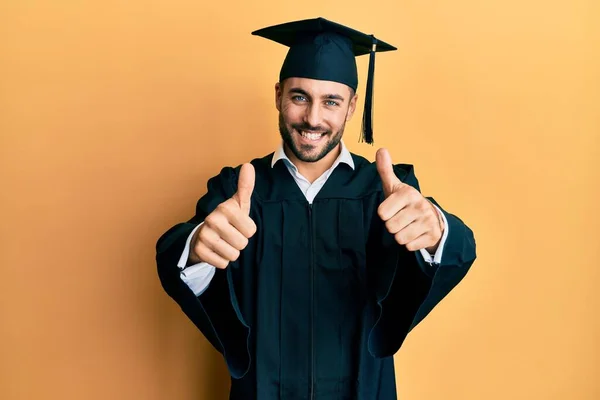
216 312
405 288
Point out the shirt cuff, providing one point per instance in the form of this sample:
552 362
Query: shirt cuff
186 250
196 276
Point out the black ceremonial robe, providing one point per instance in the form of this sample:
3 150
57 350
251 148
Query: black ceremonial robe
322 297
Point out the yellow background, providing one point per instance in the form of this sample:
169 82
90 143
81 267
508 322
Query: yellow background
114 114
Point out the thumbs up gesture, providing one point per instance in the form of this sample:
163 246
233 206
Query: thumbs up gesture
410 217
225 231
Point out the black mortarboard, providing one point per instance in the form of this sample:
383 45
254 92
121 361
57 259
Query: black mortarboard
324 50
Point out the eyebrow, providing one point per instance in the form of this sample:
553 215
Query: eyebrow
330 96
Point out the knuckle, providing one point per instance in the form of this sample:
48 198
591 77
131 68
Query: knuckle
198 250
235 254
414 195
211 219
230 206
399 238
381 213
402 191
217 221
221 264
430 207
224 209
250 231
424 210
198 243
422 205
243 243
411 189
390 225
433 220
203 253
425 214
202 236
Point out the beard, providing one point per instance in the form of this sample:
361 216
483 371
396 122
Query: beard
305 152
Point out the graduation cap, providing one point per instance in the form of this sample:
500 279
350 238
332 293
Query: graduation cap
325 50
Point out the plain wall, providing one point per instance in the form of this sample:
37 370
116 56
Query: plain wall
113 115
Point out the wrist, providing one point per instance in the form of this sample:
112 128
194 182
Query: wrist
192 256
433 249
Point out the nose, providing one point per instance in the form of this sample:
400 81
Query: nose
312 116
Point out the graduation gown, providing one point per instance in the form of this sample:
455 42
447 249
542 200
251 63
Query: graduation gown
322 297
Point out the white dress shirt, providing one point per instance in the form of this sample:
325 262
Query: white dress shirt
198 276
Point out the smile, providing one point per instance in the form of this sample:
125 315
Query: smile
311 136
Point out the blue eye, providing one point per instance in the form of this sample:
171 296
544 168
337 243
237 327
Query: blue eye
299 98
332 103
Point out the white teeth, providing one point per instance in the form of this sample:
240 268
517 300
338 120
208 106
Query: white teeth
312 136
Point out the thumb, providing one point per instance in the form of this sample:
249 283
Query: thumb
386 171
245 187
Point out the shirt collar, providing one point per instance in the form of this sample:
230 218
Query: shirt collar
344 157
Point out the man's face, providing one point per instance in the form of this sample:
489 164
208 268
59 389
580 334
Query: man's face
312 115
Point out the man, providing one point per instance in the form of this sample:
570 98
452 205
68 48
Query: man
308 267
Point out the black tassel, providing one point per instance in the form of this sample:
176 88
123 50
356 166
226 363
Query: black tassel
367 122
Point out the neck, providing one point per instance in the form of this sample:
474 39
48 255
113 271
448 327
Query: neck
312 170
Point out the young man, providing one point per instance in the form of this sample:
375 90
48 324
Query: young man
308 267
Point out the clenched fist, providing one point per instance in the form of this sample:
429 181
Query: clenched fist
225 231
409 216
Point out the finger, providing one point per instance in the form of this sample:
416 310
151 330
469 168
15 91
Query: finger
243 223
386 171
411 232
233 215
422 242
232 236
214 242
245 187
395 203
401 220
205 254
225 250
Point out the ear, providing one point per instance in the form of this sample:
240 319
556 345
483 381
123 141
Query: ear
352 107
278 95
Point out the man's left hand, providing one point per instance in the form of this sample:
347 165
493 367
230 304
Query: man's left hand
408 215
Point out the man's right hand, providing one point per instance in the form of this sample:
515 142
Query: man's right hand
225 231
